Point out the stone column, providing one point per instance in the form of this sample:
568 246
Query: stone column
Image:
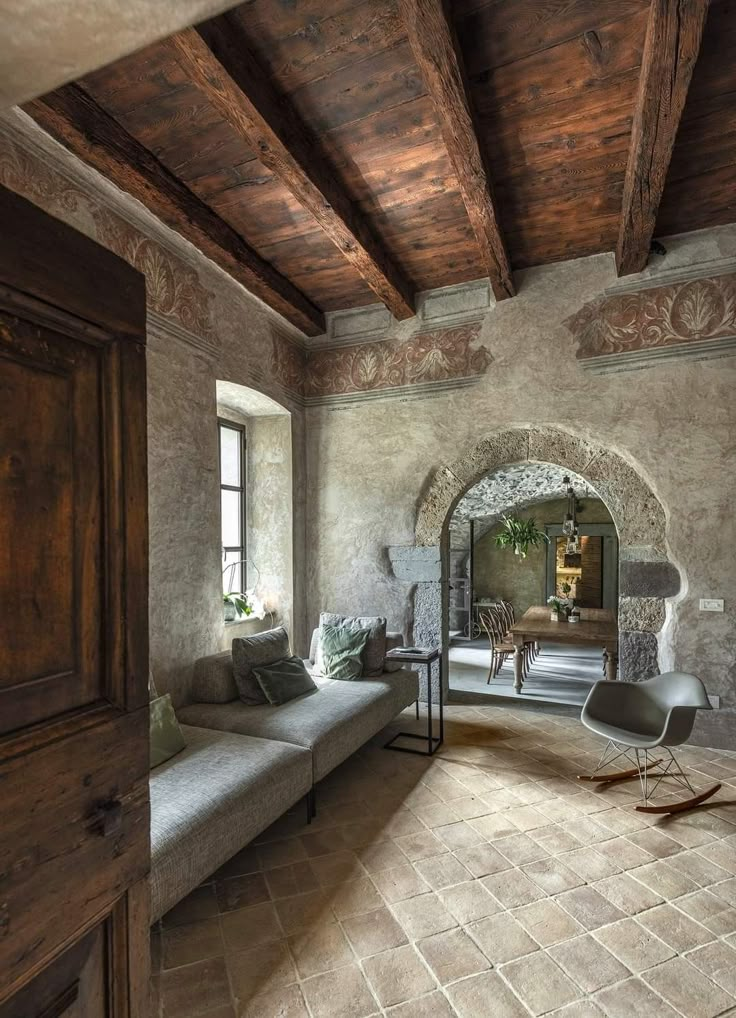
422 567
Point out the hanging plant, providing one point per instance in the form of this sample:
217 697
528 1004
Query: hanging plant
521 535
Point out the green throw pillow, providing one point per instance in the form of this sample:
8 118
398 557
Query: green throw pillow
165 734
284 680
342 650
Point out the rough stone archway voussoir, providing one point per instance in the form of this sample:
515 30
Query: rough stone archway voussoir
646 575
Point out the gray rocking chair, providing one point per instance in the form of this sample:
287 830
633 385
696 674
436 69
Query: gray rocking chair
639 718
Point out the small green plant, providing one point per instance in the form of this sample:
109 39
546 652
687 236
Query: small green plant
555 604
239 601
521 535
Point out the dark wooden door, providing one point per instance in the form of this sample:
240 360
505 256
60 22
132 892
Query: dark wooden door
74 816
590 588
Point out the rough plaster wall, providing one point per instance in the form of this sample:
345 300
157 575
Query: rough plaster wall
371 463
498 573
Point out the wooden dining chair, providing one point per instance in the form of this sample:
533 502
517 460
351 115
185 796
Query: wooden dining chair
493 622
531 647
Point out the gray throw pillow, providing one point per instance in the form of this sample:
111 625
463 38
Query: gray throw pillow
284 680
166 739
342 651
375 647
251 652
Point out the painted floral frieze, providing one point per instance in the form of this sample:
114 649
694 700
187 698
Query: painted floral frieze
680 313
442 355
288 363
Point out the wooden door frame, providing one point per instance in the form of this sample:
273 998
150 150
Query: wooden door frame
609 593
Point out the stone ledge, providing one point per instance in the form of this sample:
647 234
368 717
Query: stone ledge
416 565
648 579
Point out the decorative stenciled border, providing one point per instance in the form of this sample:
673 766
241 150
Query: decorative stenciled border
629 330
432 358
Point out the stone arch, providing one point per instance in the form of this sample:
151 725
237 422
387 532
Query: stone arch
647 576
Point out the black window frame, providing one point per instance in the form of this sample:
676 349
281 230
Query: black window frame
223 422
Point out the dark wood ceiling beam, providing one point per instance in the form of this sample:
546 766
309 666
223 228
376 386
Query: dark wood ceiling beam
436 50
72 117
218 60
671 47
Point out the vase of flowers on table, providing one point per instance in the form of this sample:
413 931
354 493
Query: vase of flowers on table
558 609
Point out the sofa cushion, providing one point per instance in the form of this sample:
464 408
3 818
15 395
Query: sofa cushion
332 722
165 735
375 647
284 680
213 798
214 681
342 649
249 652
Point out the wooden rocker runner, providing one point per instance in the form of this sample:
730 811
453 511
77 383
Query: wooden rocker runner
639 718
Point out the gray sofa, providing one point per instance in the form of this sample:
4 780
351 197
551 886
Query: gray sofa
211 799
331 722
244 766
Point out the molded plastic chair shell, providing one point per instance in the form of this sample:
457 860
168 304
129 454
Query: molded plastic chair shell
654 712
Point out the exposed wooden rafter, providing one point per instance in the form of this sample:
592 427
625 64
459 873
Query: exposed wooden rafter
671 47
71 116
437 53
217 59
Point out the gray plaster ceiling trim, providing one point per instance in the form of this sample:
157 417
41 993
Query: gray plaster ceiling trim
160 325
677 274
421 390
637 360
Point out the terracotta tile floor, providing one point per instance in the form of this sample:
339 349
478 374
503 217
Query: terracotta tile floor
483 883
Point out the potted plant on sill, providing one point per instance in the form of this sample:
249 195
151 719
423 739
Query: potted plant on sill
234 604
521 535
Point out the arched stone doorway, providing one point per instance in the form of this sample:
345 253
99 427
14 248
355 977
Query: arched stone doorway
647 576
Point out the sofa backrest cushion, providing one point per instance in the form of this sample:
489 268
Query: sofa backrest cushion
166 739
214 681
251 651
284 680
375 647
392 640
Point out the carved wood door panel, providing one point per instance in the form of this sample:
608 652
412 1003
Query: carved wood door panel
74 815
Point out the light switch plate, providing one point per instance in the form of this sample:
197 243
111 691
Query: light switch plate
711 604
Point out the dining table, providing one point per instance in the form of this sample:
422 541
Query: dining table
597 626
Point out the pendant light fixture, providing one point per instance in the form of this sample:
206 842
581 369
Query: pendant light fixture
570 523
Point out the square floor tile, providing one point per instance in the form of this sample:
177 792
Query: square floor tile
513 888
718 962
341 992
711 910
637 947
249 927
589 907
521 849
628 894
552 875
470 997
540 984
494 826
482 860
442 871
288 881
431 1005
320 949
400 883
589 864
423 916
452 955
547 922
201 903
260 970
397 975
285 1001
677 930
633 999
182 945
588 963
469 901
194 989
374 932
354 898
337 867
502 938
687 989
422 845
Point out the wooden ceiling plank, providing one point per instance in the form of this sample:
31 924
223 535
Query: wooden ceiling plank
437 53
72 117
674 33
218 61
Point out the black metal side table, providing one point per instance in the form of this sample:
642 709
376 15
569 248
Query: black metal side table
427 658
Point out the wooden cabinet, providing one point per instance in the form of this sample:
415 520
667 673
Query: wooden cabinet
74 817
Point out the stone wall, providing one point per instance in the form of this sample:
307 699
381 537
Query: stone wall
669 427
202 326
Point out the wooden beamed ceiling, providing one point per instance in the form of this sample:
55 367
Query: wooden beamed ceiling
328 153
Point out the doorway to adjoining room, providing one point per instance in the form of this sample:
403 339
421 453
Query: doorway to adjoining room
529 539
